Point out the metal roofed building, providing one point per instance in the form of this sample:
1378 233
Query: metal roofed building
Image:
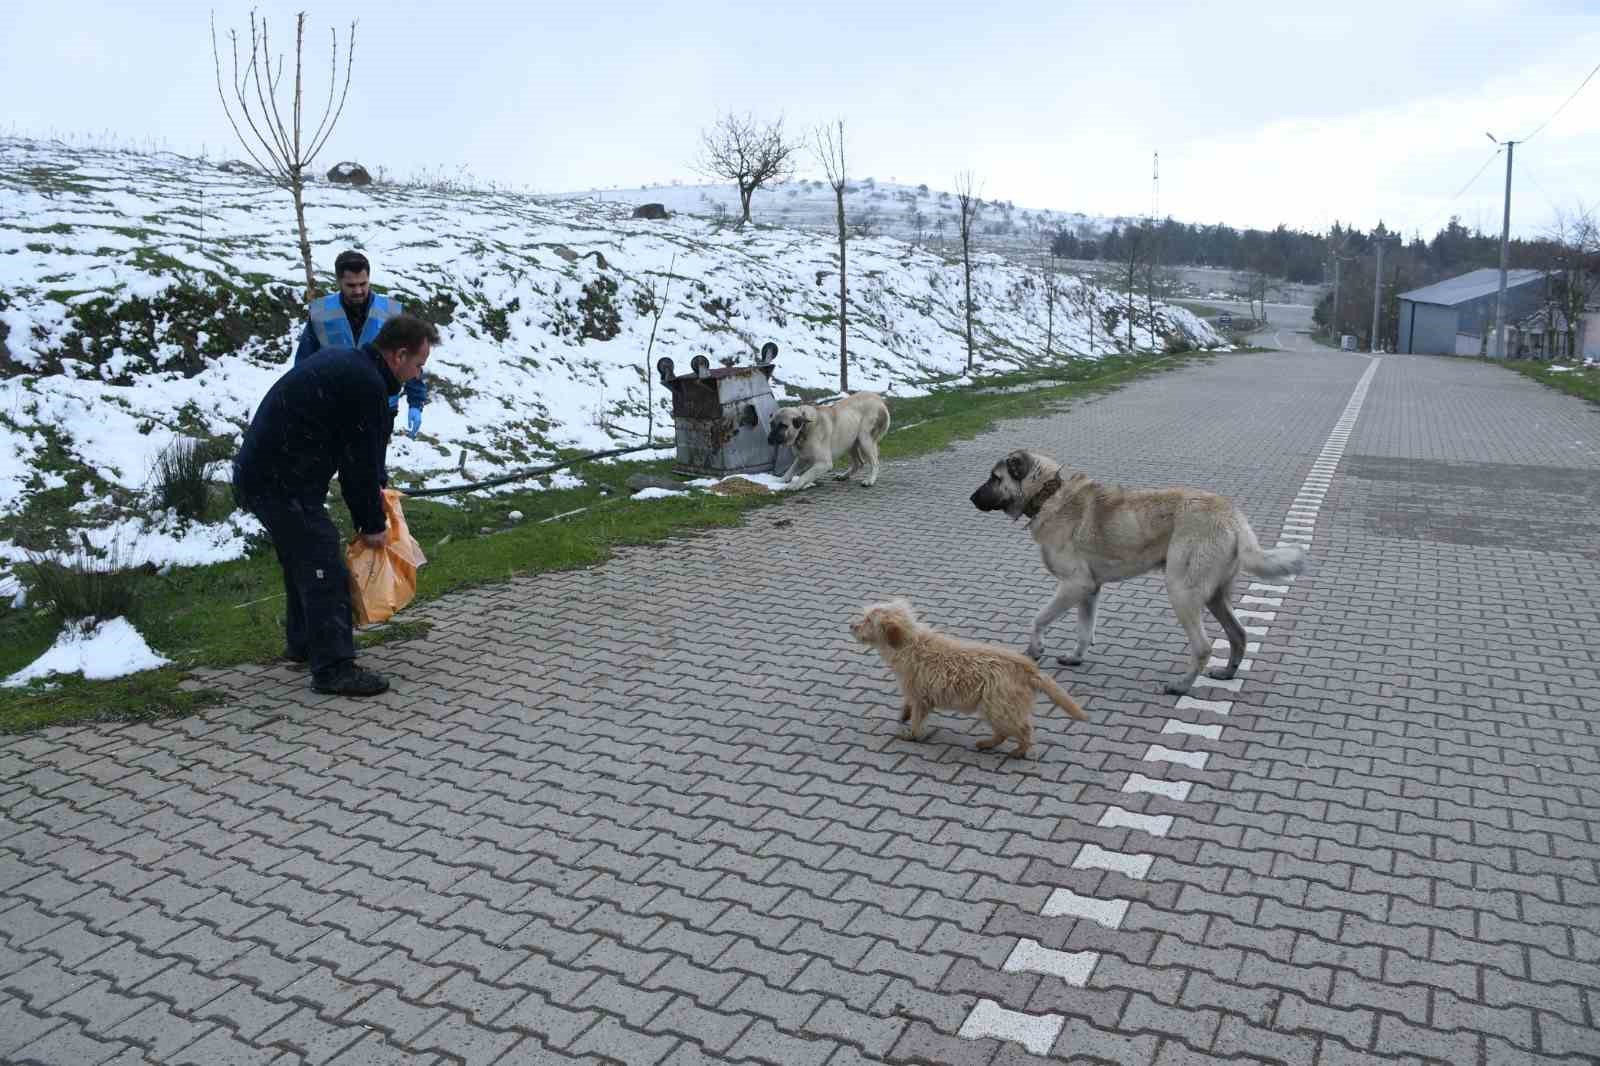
1456 316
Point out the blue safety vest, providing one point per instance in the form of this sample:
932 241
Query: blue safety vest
332 327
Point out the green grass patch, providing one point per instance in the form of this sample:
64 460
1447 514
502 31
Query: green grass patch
231 613
1202 309
1583 382
931 422
394 632
153 694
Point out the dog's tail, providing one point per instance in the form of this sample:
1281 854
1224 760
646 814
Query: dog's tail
881 426
1266 562
1057 695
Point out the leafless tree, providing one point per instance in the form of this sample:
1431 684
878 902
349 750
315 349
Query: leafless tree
1258 293
918 223
747 153
1136 250
1574 267
1052 287
274 144
865 222
656 309
829 149
969 203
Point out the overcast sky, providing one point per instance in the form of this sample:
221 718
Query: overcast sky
1259 117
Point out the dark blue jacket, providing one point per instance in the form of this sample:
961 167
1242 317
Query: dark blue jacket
327 415
330 327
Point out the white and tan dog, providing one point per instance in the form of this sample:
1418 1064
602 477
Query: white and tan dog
820 434
1092 534
959 675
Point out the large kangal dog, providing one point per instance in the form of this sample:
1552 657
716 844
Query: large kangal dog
1091 534
820 434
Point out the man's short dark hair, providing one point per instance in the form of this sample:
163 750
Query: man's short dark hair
405 331
351 263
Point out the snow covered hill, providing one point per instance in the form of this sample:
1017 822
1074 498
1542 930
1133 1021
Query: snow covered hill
912 213
146 296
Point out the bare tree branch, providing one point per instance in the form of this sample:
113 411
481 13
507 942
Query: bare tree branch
217 65
970 203
829 149
738 149
270 91
325 127
285 155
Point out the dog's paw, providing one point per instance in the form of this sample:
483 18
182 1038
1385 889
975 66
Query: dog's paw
1178 688
1221 673
868 484
1034 651
910 734
841 477
1070 660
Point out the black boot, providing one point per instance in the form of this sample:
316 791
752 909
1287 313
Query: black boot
348 679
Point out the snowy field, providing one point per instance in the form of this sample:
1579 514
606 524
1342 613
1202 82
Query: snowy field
147 296
911 213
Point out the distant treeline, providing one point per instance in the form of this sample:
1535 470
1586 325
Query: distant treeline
1296 255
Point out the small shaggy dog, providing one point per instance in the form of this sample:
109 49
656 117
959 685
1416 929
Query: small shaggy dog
959 675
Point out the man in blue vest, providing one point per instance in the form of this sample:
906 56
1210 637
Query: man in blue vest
352 317
327 416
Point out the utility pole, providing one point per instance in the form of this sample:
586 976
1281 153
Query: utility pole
1505 253
1155 189
1337 263
1377 296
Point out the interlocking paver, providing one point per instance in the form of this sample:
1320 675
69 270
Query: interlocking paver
621 815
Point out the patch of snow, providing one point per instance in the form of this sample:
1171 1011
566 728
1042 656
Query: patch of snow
654 493
97 650
515 362
771 481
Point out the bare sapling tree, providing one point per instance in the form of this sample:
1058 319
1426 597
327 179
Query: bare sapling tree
656 309
969 203
1051 286
1575 269
275 144
1151 261
747 153
1136 249
917 222
1083 299
829 149
1258 294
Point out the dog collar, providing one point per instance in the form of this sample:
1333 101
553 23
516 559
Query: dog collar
1038 499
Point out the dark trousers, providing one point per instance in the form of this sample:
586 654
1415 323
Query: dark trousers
317 619
388 435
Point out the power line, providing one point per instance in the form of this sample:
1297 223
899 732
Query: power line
1563 106
1528 172
1448 204
1475 177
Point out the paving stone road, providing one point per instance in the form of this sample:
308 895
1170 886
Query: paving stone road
656 812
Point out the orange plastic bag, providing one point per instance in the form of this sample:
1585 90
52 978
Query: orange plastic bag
383 580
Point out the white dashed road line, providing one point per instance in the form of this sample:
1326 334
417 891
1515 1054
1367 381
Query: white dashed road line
1038 1033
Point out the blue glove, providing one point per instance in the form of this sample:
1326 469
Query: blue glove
413 420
